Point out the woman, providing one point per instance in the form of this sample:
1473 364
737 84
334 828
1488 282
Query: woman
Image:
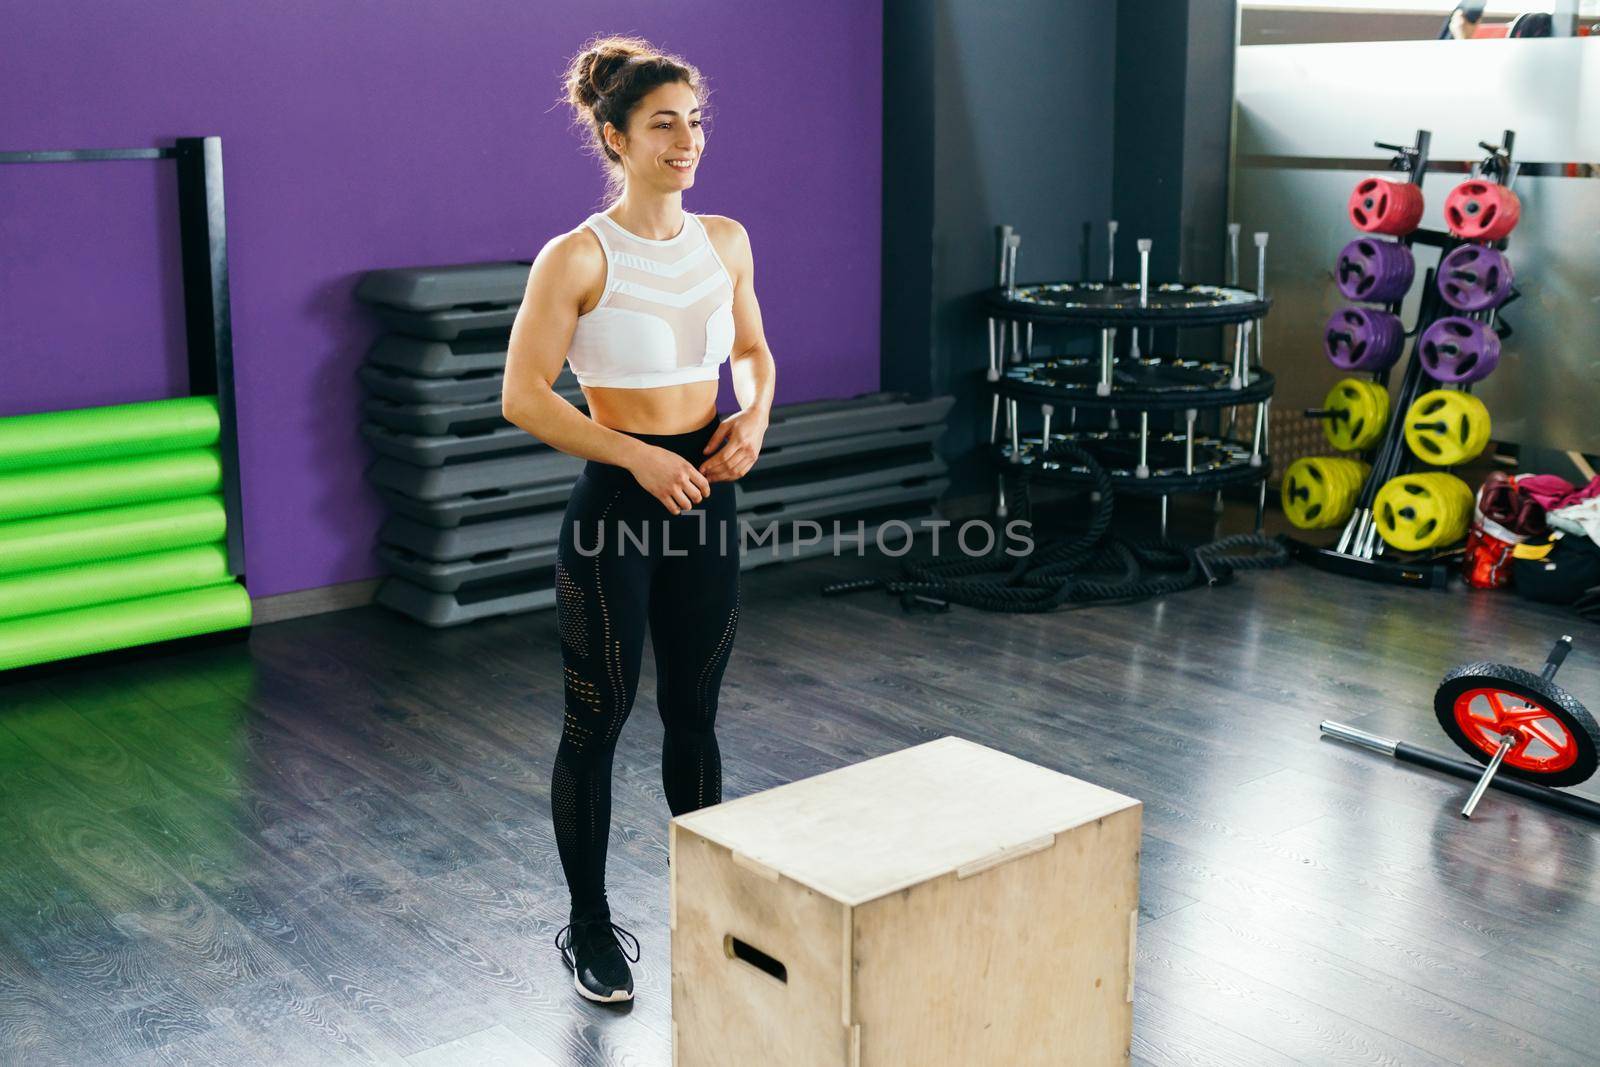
646 302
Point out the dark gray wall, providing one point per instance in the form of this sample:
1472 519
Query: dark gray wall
1174 113
1051 116
1152 59
1019 100
908 179
1207 145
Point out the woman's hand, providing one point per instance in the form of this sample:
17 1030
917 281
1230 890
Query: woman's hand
740 436
670 478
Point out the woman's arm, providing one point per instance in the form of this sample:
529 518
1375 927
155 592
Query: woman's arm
751 367
753 371
540 337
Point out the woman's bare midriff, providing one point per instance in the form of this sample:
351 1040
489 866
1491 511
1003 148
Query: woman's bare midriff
663 410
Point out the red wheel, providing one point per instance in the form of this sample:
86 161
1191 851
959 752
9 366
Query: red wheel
1379 205
1557 740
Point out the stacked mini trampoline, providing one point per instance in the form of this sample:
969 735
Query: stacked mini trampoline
476 503
1088 402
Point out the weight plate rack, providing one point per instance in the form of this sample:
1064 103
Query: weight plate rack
1131 387
1359 551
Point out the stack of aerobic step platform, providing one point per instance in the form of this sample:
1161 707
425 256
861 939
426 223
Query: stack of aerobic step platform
477 503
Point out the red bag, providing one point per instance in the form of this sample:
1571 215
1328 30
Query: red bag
1486 564
1502 518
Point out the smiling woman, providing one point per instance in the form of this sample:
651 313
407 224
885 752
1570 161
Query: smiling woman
646 302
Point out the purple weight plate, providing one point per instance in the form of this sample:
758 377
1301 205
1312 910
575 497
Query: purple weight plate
1475 278
1456 349
1379 271
1362 339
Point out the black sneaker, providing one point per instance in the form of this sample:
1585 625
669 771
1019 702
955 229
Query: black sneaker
592 951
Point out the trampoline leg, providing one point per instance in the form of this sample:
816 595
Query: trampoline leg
1143 470
1188 442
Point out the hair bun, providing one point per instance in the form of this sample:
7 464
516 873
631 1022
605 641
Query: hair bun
606 80
606 60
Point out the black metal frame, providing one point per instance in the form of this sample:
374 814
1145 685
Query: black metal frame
208 319
1392 458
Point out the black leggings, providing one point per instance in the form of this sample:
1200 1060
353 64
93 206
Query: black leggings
624 558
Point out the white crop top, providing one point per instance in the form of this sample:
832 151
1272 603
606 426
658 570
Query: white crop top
666 315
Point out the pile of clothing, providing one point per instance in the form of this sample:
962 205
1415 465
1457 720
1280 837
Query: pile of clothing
1539 534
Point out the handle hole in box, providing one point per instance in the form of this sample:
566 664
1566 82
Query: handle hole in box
742 950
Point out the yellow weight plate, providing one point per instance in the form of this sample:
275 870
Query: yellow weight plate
1418 512
1358 411
1320 491
1445 427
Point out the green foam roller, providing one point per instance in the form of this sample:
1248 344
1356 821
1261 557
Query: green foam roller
110 533
53 438
61 588
104 483
123 624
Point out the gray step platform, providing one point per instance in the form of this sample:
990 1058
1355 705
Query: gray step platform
839 476
481 538
511 596
440 450
437 450
442 419
872 508
841 505
491 588
837 424
475 387
449 324
435 420
452 285
792 455
475 538
439 359
541 468
453 511
452 576
408 389
816 420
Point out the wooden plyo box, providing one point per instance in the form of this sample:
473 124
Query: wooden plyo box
947 904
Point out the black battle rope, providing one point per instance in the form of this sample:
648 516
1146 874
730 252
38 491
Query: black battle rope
1091 567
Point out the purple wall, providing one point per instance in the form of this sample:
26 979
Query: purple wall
365 134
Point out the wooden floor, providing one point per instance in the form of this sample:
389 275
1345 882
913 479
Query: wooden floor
332 844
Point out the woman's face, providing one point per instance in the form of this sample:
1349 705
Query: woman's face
663 128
